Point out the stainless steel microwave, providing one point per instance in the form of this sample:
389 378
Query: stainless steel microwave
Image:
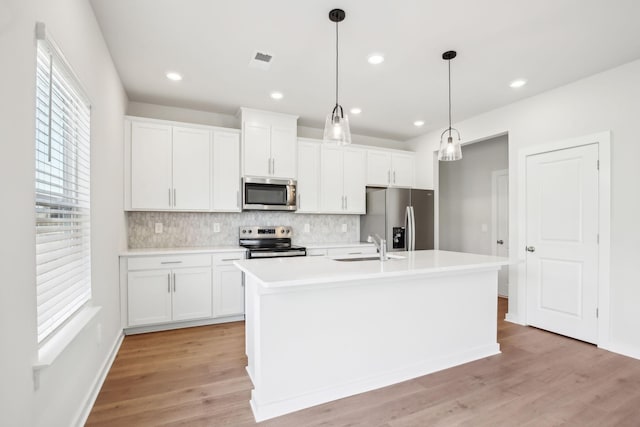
268 194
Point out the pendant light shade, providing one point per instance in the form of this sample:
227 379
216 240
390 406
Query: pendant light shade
336 128
450 148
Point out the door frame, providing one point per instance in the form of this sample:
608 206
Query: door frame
494 217
603 140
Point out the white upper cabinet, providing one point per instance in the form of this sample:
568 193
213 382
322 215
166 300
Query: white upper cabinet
191 166
308 176
390 168
226 172
343 180
173 166
269 144
151 183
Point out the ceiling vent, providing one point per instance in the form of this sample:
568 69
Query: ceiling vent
260 60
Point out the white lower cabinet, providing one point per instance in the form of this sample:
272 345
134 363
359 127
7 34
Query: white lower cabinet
228 285
199 288
165 295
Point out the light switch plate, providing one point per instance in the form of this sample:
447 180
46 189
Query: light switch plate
158 228
344 228
216 227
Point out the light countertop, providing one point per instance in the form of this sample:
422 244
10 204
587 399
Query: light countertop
336 245
286 272
180 251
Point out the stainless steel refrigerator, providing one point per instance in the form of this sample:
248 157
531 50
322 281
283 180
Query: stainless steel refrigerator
404 217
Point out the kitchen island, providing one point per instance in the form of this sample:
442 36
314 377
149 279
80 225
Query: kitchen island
320 328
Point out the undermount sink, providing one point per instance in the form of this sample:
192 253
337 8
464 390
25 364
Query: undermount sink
368 258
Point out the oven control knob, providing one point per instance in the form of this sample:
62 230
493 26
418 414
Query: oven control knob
250 231
244 231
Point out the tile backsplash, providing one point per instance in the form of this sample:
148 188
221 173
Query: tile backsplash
194 229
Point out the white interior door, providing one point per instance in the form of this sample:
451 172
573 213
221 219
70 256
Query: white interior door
500 193
562 241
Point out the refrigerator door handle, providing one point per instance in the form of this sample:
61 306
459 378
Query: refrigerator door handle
413 228
407 227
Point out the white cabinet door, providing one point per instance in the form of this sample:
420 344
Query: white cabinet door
257 151
378 168
192 293
332 180
402 170
355 171
151 186
283 152
226 172
191 166
308 177
149 297
228 287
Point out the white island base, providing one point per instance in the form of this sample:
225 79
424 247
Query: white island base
319 329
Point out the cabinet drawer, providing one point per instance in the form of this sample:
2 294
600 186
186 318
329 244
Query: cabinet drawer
168 261
356 250
227 258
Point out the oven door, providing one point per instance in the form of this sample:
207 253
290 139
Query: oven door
269 194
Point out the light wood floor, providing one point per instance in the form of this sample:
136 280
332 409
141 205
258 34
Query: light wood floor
196 377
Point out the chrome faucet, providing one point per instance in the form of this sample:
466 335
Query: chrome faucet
381 245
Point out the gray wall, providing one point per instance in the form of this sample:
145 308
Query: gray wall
465 196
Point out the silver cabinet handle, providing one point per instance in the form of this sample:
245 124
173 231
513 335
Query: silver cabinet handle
531 249
231 259
346 202
389 176
174 282
354 253
273 165
169 282
394 177
171 262
174 197
170 202
299 201
238 198
500 242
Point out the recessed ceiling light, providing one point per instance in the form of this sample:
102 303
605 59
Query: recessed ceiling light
518 83
172 75
277 95
418 123
356 111
375 58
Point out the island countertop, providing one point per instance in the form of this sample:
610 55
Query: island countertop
298 271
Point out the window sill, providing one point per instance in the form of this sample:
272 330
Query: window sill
50 350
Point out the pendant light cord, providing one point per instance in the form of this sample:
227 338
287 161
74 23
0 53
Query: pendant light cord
336 64
449 62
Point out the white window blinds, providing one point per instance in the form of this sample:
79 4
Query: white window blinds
63 247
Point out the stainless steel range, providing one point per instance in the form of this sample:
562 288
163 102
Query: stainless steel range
269 242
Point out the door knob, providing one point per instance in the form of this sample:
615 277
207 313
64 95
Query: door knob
531 249
500 242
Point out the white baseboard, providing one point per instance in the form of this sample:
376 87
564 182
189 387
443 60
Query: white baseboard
132 330
625 350
265 411
85 409
514 319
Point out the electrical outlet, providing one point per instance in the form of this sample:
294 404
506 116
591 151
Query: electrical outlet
158 227
344 228
216 227
307 228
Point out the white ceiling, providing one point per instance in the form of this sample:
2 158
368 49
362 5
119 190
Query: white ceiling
548 42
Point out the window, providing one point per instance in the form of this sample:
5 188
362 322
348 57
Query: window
62 190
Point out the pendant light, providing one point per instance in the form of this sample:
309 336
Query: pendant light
336 128
450 148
